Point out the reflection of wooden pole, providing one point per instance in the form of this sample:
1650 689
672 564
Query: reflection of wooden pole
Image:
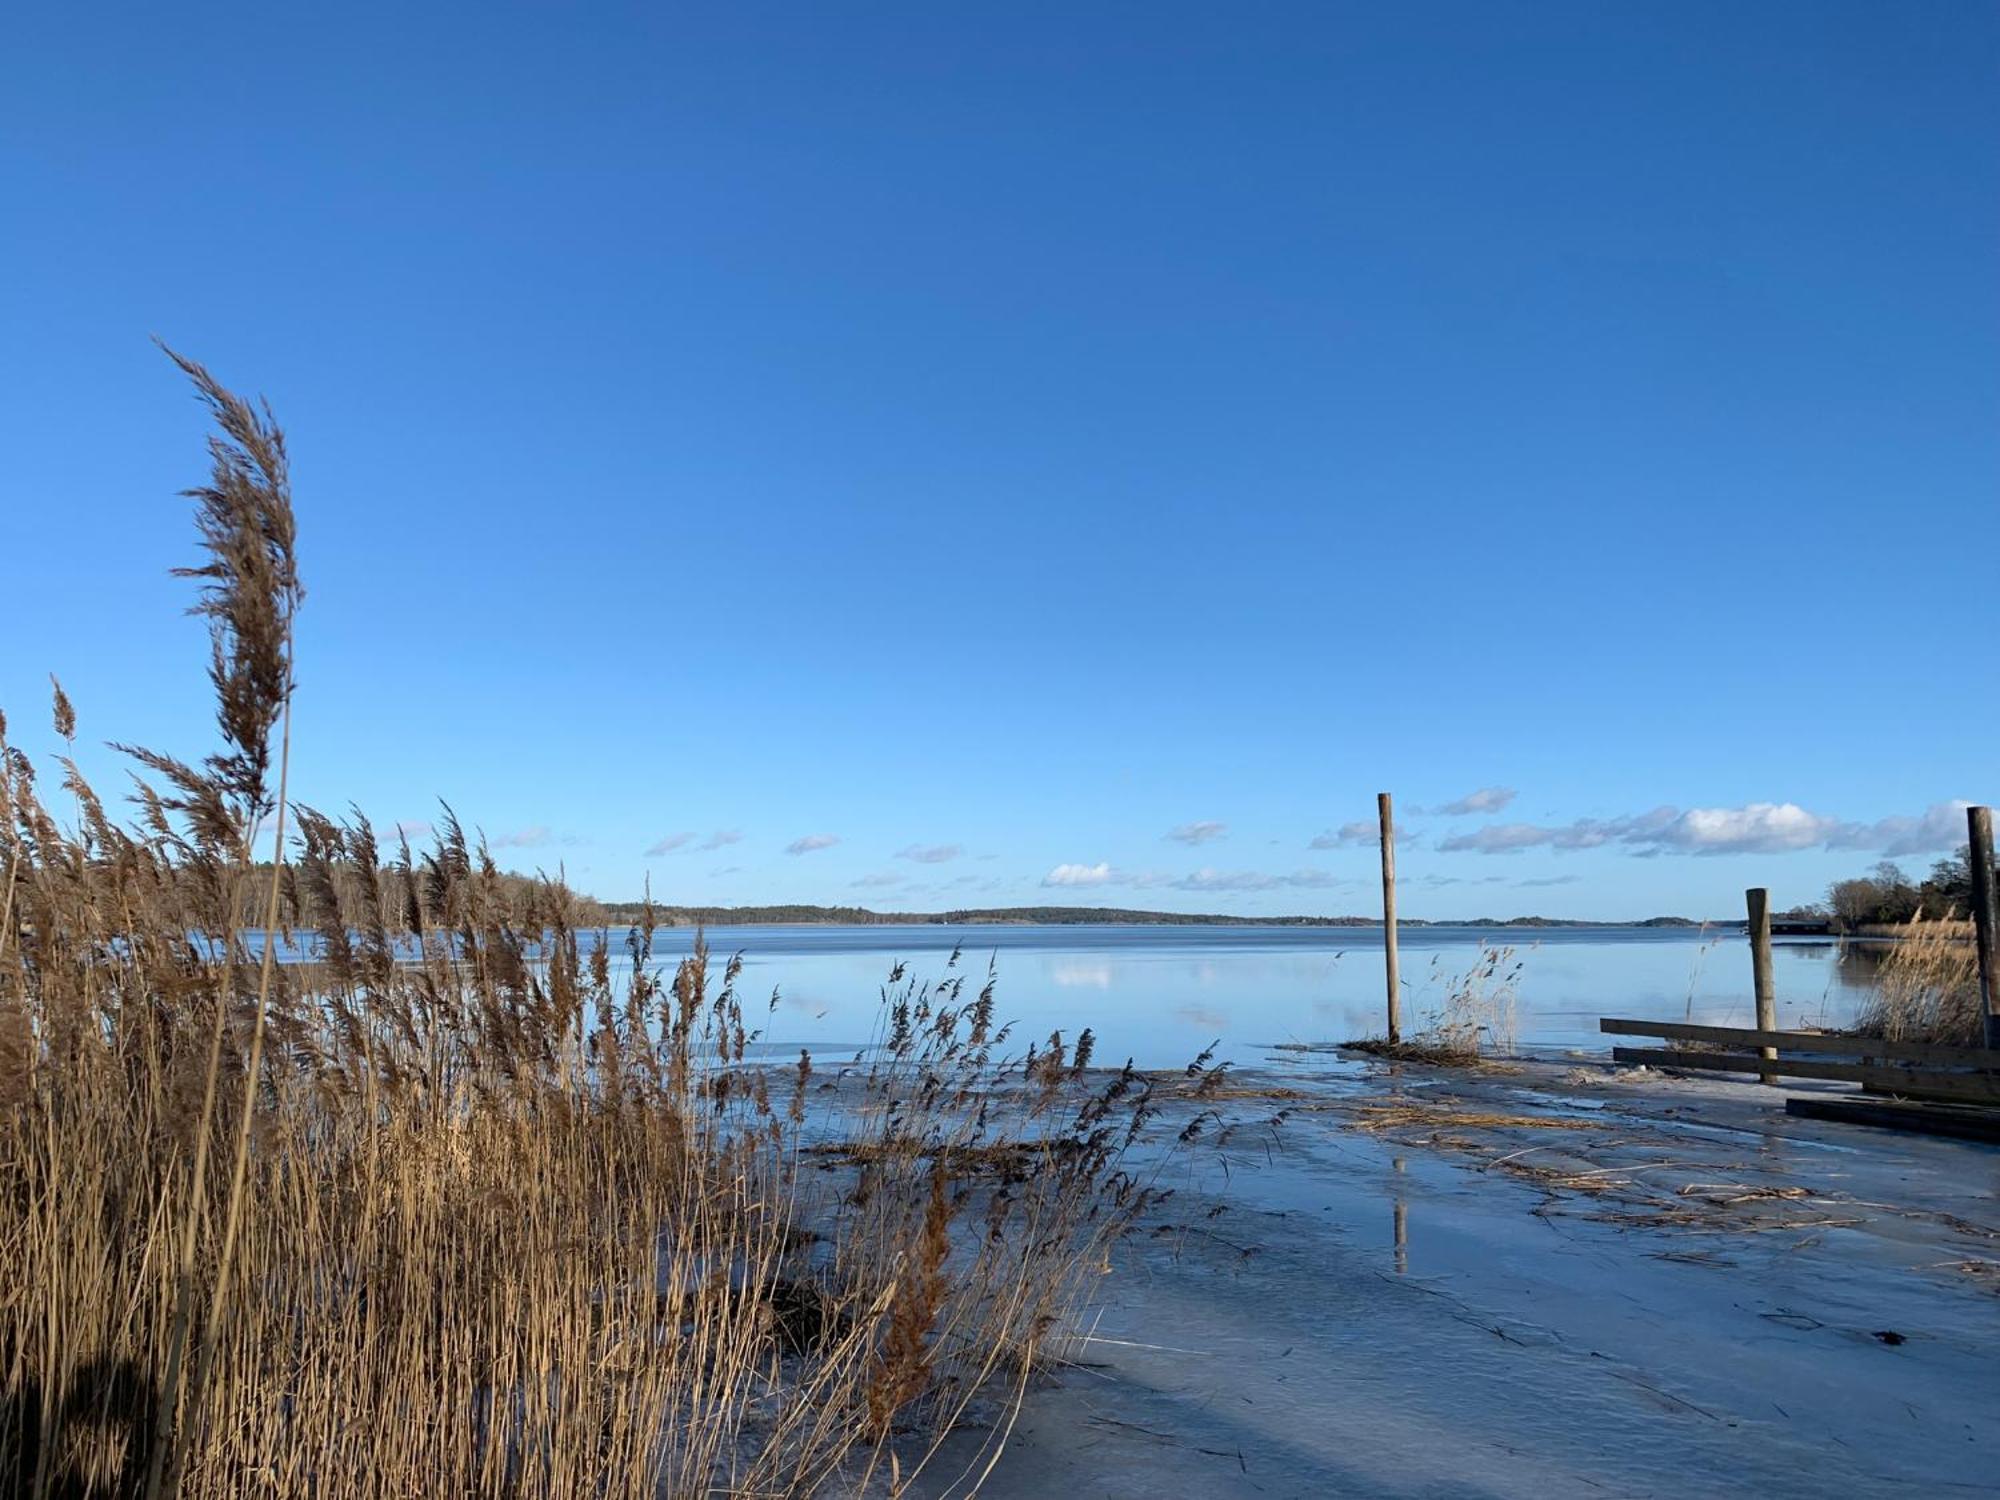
1979 825
1759 928
1402 1227
1382 803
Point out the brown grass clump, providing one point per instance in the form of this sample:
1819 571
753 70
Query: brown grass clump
1474 1016
1402 1115
1477 1013
374 1173
1422 1049
1007 1159
1927 987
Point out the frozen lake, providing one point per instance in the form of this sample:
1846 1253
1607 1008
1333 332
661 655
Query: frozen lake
1161 994
1685 1293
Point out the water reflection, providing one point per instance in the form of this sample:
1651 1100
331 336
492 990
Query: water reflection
1158 995
1095 976
1860 963
1401 1228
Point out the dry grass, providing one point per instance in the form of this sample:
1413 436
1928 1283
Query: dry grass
464 1206
1984 1273
1927 987
1473 1016
1477 1013
1425 1049
1633 1179
1630 1182
1404 1115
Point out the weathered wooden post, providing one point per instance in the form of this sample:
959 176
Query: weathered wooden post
1979 828
1385 807
1759 901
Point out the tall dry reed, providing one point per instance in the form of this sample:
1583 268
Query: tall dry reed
1927 986
374 1172
1464 1016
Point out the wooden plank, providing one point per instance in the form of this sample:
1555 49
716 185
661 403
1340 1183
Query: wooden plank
1974 1088
1954 1120
1810 1041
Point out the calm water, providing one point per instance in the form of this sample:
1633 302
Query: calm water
1161 994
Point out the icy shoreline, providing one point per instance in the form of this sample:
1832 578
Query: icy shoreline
1538 1282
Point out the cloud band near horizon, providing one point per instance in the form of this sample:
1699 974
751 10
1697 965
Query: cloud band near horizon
1755 828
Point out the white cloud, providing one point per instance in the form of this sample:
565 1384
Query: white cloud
1754 828
1097 874
1255 880
670 843
1488 799
878 882
722 838
1749 829
1354 835
525 838
1940 827
812 843
1500 838
1198 833
931 854
1343 837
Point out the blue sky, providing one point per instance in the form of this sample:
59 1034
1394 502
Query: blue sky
1046 452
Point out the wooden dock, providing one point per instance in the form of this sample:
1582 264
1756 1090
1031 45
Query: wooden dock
1963 1081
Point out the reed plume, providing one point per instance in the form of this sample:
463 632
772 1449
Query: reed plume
1926 986
329 1169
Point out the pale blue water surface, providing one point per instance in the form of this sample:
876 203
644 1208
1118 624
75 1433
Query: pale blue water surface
1161 994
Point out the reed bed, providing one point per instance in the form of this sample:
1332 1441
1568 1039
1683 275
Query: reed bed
374 1172
1927 986
1478 1007
1472 1017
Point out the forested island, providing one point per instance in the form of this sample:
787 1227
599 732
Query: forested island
626 912
534 900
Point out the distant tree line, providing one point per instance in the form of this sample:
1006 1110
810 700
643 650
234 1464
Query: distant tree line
1887 895
625 913
666 915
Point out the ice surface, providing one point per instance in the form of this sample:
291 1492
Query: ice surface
1689 1298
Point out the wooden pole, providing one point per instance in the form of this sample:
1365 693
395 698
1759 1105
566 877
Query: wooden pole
1979 828
1384 806
1759 901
